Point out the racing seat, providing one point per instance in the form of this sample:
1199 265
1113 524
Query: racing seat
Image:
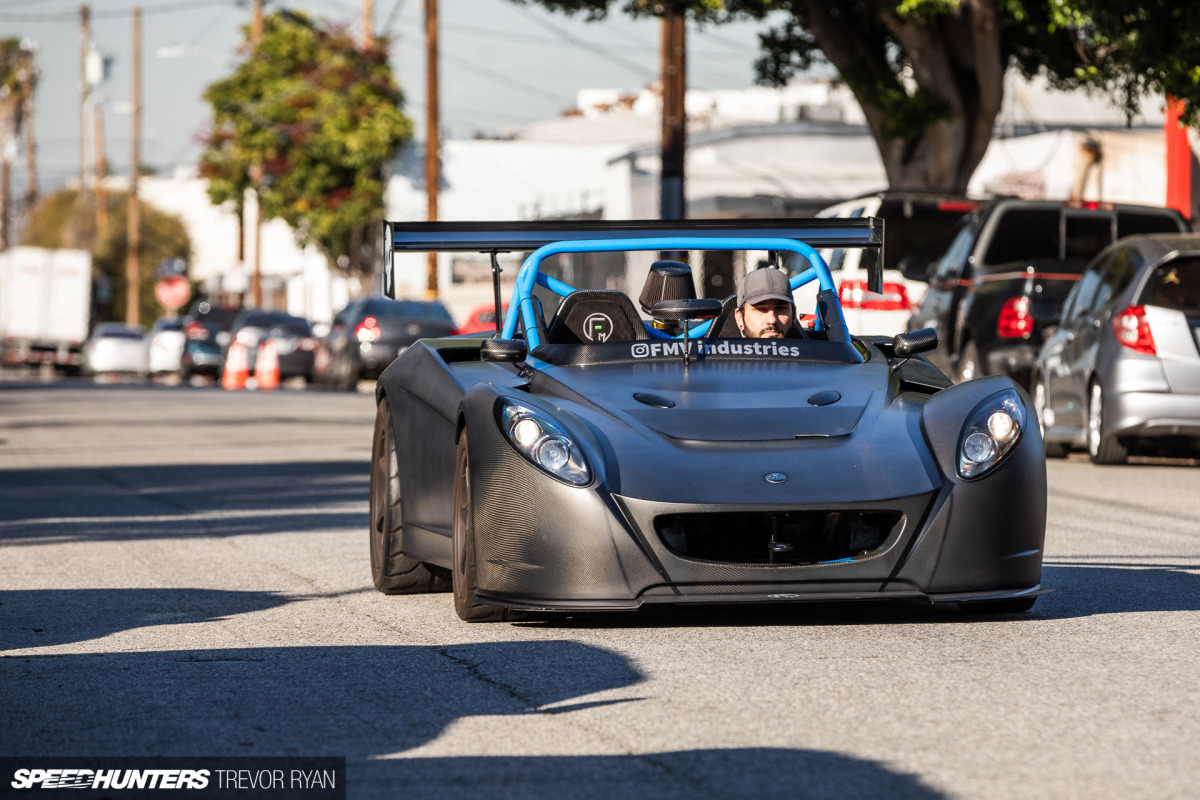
594 316
724 325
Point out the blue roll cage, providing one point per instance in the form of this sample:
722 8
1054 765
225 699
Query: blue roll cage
544 238
522 307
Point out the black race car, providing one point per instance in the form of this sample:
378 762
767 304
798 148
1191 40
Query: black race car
597 461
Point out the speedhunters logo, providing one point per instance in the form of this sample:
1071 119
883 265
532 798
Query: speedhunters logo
304 778
110 779
725 348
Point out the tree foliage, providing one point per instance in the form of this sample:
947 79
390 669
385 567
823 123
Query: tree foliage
929 74
310 121
67 219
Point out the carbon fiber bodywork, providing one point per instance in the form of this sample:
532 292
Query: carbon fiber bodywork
867 446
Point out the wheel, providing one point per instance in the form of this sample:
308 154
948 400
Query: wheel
391 570
1104 448
1040 401
968 363
1014 605
463 549
347 377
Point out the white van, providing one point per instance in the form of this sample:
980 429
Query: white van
918 226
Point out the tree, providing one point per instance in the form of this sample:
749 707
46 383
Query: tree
929 74
311 122
67 219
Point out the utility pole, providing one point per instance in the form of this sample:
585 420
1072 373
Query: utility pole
133 262
256 24
256 33
85 39
368 22
674 116
433 173
101 171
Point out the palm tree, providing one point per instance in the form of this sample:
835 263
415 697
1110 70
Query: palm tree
18 75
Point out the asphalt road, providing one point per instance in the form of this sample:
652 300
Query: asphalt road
184 571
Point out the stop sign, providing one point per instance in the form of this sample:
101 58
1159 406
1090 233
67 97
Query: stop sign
172 292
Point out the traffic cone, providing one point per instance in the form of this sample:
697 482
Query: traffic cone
237 367
266 367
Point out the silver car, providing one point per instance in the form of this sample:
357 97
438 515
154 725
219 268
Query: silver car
114 348
1121 371
164 347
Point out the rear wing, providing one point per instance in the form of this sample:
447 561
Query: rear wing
506 237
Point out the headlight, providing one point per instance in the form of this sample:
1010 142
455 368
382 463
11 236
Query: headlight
993 430
544 442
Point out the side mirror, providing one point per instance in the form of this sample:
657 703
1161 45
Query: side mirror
915 267
506 351
921 340
680 310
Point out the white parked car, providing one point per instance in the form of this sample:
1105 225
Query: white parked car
114 348
164 347
917 229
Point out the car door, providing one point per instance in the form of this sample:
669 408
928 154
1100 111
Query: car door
1067 394
1096 320
939 306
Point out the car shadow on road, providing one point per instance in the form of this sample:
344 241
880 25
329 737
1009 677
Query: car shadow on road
40 506
374 704
50 617
734 774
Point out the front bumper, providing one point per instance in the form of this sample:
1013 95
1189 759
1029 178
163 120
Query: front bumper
572 548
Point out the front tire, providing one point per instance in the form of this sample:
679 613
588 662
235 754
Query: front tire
464 577
391 570
1103 447
1040 402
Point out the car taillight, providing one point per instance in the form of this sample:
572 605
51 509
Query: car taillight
854 294
1133 330
195 331
367 330
1015 321
455 332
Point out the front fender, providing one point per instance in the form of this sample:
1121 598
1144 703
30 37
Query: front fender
536 537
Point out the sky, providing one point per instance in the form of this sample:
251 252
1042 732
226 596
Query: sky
502 65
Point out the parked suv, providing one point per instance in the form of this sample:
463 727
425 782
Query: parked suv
1007 272
1124 361
917 226
369 333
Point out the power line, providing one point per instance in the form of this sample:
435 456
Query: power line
586 45
512 83
72 14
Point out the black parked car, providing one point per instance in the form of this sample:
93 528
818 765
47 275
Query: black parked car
292 336
1007 272
1122 369
206 328
369 333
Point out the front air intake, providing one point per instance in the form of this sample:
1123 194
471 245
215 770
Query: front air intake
776 537
668 280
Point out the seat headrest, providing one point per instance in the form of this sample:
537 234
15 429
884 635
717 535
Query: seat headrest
595 316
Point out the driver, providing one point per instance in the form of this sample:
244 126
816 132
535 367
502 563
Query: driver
765 309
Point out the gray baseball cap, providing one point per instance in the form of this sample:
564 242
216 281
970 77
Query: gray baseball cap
764 284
